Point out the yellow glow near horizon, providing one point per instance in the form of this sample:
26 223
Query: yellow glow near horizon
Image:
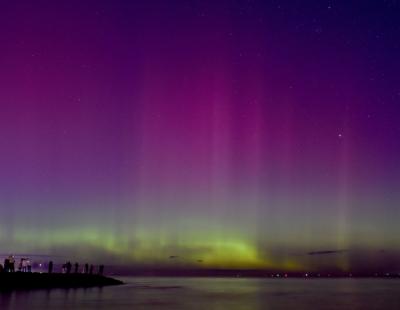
209 251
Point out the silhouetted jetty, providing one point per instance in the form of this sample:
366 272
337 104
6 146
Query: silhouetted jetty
27 281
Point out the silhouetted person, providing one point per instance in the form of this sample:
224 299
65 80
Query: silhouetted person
91 269
28 265
101 270
24 264
1 268
6 265
68 267
86 270
21 262
50 266
12 263
76 267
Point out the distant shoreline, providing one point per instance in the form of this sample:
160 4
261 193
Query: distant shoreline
250 273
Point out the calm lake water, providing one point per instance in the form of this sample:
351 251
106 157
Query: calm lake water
217 293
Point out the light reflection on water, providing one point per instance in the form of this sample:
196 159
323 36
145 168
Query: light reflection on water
217 293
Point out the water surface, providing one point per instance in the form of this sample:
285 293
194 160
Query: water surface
217 293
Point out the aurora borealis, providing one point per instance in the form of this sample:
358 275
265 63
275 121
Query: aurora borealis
241 134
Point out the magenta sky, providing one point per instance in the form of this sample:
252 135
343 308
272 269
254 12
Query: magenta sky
259 130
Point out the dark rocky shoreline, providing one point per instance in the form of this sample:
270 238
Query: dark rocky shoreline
27 281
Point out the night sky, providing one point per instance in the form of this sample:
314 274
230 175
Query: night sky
229 134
